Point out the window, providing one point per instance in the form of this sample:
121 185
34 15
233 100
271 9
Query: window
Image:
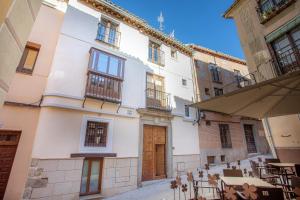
96 134
215 74
29 58
218 91
103 62
108 32
173 53
207 123
223 159
207 91
184 83
287 50
238 76
187 110
155 54
225 136
269 5
210 160
91 176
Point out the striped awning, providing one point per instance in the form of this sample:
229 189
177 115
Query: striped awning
283 29
274 97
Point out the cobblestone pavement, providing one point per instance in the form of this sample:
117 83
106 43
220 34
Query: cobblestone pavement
160 190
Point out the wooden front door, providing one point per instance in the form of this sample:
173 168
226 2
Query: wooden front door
8 146
154 153
251 147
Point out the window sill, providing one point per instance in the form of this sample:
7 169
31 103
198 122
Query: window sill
160 64
93 155
24 71
107 43
91 197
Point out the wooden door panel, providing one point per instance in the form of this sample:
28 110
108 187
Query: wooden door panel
148 167
8 146
159 135
160 160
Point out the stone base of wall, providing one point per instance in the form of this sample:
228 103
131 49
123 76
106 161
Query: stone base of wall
231 155
185 163
61 178
53 179
119 175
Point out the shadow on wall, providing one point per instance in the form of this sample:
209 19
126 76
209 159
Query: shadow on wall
211 79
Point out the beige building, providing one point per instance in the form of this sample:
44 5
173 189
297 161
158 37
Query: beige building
269 31
16 20
20 114
224 138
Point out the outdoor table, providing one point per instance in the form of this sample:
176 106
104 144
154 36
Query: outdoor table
282 167
240 181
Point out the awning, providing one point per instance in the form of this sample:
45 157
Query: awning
274 97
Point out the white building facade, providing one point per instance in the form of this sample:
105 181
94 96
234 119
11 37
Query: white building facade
114 108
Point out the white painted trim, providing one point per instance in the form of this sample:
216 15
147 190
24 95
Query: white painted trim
109 137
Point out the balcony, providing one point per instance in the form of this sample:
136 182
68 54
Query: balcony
156 56
103 87
158 100
108 35
272 9
287 61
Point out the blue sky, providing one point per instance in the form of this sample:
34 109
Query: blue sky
194 21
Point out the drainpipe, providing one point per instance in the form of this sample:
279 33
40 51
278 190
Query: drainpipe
269 136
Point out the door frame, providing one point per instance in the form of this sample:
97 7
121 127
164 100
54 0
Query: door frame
253 134
89 174
154 121
16 143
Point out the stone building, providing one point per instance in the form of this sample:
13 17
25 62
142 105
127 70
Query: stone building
269 31
222 137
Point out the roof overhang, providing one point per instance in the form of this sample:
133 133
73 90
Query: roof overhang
274 97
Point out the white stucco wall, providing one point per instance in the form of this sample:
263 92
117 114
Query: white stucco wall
68 78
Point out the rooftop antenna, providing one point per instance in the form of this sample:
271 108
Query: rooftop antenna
172 34
160 20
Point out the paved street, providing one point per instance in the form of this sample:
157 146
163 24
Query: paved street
160 190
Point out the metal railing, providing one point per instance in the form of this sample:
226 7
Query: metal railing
158 100
156 56
288 61
103 87
108 35
273 9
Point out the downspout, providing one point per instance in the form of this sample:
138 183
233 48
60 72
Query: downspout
269 136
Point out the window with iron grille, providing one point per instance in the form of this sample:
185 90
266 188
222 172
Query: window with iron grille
218 91
215 74
96 134
225 136
187 110
287 50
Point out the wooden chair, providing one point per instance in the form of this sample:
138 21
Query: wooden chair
232 173
258 172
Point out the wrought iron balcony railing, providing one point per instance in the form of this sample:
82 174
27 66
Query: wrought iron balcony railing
103 87
287 61
108 35
156 56
158 100
272 10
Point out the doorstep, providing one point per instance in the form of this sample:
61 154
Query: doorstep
92 197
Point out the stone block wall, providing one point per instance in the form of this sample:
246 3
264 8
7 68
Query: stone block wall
119 175
185 163
54 179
